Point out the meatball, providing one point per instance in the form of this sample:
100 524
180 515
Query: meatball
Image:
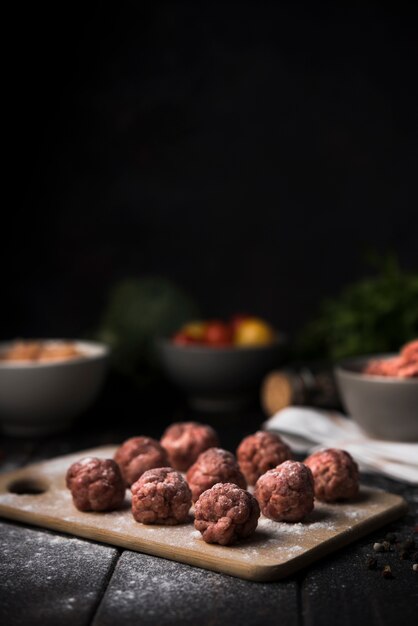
410 351
214 466
96 484
184 441
260 452
161 496
286 493
404 365
137 455
225 513
335 474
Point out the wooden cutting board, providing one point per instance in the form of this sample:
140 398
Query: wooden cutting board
276 549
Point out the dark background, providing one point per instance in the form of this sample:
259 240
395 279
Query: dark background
252 152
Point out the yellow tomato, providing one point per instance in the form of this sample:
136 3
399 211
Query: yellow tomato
253 331
195 330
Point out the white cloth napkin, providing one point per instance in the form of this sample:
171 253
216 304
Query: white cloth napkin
307 430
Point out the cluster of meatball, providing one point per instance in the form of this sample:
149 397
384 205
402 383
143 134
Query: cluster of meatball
287 492
160 494
216 481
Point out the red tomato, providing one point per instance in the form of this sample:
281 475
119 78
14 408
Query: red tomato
218 334
183 339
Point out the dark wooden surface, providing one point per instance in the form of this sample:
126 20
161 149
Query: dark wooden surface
49 579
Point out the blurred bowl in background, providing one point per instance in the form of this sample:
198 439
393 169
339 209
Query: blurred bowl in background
385 407
38 398
223 378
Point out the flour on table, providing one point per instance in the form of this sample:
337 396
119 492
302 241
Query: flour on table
44 561
273 543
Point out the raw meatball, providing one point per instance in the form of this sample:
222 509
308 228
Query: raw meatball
225 513
286 493
184 442
260 452
161 496
410 351
214 466
137 455
404 365
96 484
335 474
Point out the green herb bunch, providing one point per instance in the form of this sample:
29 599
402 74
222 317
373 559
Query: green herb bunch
376 314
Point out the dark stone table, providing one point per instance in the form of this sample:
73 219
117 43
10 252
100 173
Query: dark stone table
52 579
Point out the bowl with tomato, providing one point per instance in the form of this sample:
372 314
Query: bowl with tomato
220 364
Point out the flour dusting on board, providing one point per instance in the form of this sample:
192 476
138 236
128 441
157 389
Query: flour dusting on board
273 544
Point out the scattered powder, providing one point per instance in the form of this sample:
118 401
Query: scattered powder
320 526
172 593
85 460
41 561
273 542
283 551
300 528
354 514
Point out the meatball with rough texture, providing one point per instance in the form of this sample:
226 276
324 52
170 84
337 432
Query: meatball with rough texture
137 455
410 351
214 466
260 452
226 513
403 365
184 441
161 496
96 484
335 474
286 493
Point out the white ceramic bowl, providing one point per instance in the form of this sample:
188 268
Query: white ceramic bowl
385 407
41 398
